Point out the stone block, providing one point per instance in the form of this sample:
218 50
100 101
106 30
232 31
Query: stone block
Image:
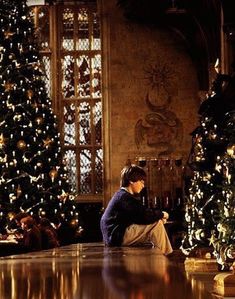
200 265
224 284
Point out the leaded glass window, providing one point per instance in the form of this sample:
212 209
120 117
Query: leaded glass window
70 44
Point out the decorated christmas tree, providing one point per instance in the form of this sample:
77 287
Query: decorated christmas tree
33 177
210 213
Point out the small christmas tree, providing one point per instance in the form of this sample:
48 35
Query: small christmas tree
223 237
210 203
33 177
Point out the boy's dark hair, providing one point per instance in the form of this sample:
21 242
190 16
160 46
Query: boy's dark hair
132 173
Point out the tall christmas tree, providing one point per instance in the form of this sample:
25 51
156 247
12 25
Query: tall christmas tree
33 177
210 213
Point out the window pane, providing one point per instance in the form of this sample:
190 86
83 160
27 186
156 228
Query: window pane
47 67
70 160
83 29
85 171
99 171
83 88
68 76
69 124
84 123
44 32
68 30
96 32
96 78
97 112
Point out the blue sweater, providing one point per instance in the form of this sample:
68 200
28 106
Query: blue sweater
123 210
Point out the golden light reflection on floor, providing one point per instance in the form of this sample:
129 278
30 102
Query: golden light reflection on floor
92 271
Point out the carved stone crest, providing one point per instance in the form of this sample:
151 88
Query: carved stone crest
160 129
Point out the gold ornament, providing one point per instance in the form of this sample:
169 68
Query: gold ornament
18 191
12 56
64 196
222 228
53 174
17 117
199 234
47 142
39 120
8 34
21 144
212 135
230 253
8 86
206 176
3 159
11 215
30 93
74 223
2 141
10 106
42 213
231 150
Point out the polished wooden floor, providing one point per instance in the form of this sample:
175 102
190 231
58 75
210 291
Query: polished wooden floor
92 271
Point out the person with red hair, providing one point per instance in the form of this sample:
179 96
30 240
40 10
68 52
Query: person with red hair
31 240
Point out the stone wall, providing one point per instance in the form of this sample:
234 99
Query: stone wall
150 94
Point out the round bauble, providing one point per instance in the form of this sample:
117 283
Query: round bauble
21 144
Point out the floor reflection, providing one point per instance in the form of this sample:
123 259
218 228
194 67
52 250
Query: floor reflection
39 279
138 276
91 271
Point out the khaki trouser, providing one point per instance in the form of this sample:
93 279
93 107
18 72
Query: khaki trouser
155 233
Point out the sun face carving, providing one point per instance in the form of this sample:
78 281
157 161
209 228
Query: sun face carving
159 75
